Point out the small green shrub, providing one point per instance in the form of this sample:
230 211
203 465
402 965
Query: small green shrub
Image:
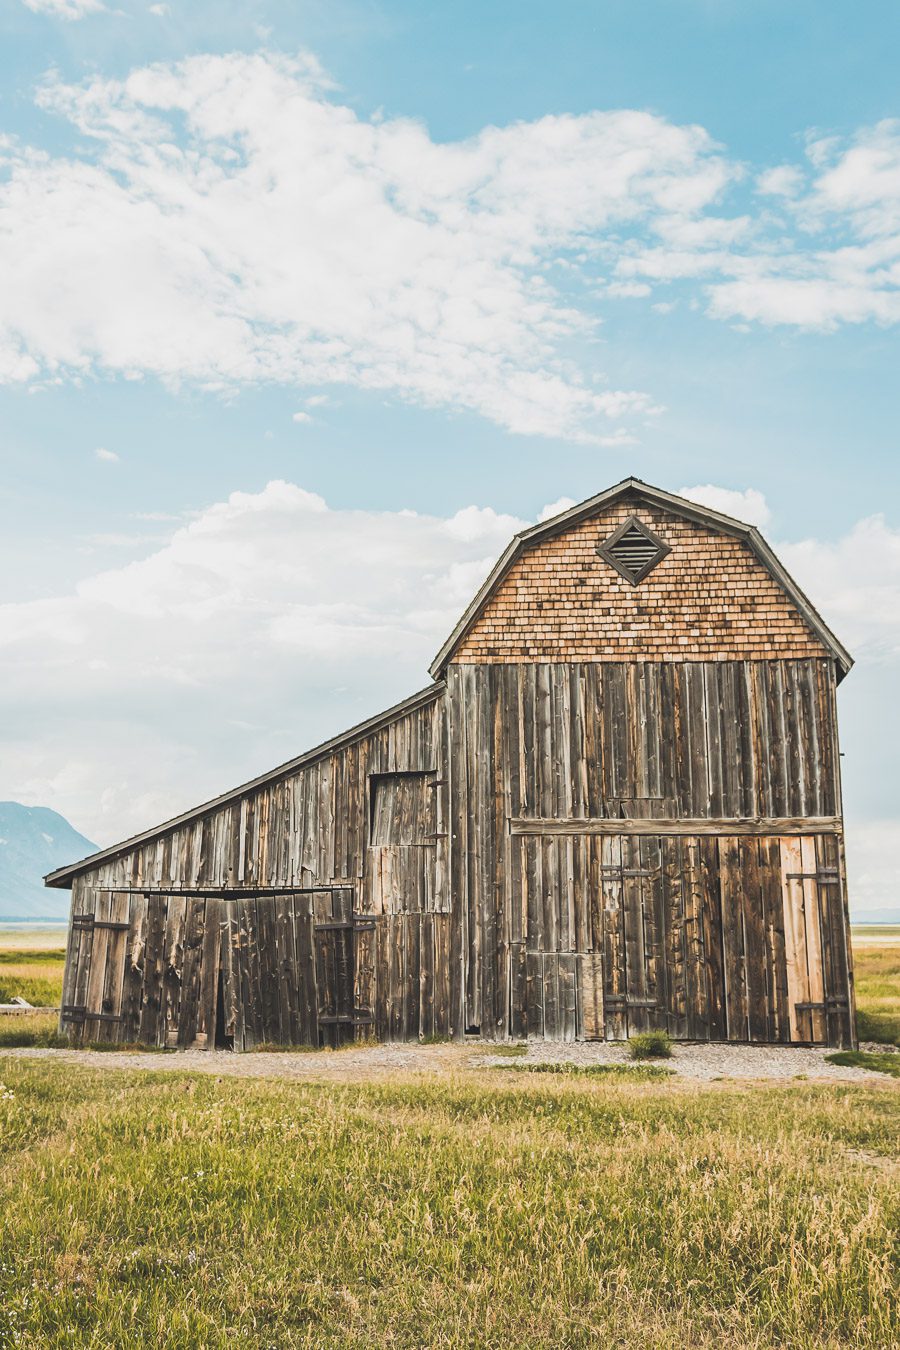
650 1045
510 1051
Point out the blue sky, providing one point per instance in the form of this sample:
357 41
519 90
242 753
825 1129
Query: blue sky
409 258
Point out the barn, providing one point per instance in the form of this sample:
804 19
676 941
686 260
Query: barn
615 808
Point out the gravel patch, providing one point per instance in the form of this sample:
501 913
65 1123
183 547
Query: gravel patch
702 1061
370 1061
698 1062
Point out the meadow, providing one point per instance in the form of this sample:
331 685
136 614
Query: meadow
181 1211
484 1208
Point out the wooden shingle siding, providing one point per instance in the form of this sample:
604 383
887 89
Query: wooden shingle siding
709 599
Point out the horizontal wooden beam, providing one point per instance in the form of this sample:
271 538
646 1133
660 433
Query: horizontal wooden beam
743 825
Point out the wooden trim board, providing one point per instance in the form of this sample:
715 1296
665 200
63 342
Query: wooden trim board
610 825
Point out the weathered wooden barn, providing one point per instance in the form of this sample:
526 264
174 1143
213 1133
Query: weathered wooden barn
616 808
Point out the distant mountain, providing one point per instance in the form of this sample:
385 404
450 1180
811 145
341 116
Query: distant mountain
33 841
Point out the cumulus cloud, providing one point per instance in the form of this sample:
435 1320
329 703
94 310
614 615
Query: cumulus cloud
873 848
107 456
261 626
831 256
749 506
228 220
856 580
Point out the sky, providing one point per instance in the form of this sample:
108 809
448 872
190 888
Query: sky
305 308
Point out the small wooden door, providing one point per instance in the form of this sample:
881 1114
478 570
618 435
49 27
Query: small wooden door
819 981
93 997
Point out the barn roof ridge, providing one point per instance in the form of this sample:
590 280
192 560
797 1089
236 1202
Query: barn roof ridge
701 515
61 876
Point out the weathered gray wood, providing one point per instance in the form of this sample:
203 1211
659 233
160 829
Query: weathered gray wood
661 825
521 775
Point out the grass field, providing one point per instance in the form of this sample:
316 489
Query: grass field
483 1209
32 974
877 971
178 1211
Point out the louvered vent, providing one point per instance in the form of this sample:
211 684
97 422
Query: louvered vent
633 550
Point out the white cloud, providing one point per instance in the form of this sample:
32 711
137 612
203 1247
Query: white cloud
301 417
783 181
555 508
108 456
65 9
228 221
825 253
873 875
856 581
269 612
749 505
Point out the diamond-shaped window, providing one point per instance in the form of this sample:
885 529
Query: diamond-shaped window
633 550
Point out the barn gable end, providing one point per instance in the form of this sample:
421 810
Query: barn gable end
717 594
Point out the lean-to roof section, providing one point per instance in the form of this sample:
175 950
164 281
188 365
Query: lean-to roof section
62 877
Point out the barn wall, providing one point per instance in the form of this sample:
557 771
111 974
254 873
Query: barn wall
365 825
709 598
581 742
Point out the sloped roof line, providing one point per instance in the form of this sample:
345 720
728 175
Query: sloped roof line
700 515
62 876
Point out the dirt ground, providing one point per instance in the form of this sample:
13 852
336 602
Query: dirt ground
692 1062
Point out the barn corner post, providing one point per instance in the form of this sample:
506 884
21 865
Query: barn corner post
616 808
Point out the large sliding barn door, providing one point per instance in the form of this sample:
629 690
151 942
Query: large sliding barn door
707 937
204 970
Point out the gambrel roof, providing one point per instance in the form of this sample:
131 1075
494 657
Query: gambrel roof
634 488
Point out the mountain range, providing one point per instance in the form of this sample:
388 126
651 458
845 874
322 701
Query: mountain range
33 841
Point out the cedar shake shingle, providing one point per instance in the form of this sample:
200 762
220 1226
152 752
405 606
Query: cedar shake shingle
709 599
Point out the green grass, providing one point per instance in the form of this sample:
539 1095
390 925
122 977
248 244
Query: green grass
636 1073
877 978
35 975
20 1030
862 1059
179 1211
650 1045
